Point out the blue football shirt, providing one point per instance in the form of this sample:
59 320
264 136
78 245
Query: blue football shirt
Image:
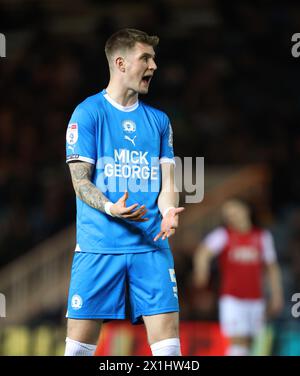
127 146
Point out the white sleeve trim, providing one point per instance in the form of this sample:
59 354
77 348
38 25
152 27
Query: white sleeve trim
79 158
216 240
166 160
77 248
268 248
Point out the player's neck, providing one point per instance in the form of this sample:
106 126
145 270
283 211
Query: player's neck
242 227
122 96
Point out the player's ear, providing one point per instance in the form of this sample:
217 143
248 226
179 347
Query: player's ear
120 64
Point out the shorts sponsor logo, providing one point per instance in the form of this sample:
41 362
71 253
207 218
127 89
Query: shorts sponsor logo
173 280
76 302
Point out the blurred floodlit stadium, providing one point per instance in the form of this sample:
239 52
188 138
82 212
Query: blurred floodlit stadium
228 82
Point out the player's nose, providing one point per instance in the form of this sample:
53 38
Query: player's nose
152 65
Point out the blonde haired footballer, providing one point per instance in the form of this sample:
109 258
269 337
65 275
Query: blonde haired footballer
121 159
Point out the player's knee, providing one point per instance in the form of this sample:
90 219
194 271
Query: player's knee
85 331
161 329
164 331
242 341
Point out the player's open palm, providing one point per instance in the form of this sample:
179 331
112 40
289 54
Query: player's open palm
169 223
119 209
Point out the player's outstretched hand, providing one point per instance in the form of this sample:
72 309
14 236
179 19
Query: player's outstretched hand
119 209
169 223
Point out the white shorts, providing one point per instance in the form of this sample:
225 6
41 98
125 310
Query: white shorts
241 317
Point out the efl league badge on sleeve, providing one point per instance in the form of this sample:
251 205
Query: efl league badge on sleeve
72 133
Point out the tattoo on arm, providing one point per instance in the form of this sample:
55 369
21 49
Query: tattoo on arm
81 173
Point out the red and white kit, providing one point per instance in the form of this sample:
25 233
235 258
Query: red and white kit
242 257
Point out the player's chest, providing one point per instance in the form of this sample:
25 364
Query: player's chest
129 131
244 249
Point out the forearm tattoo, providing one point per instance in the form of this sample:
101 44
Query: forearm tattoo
81 173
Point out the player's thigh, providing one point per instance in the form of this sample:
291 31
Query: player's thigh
240 341
257 314
85 331
152 284
162 326
97 287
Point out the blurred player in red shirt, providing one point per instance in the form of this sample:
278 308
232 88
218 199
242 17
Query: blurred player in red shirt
245 252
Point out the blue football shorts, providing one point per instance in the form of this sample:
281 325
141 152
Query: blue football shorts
102 284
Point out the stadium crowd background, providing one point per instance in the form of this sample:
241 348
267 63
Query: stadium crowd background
226 78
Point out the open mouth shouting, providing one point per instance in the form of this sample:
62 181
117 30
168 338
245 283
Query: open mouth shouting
147 78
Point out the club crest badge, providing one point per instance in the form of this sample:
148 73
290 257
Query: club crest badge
129 126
